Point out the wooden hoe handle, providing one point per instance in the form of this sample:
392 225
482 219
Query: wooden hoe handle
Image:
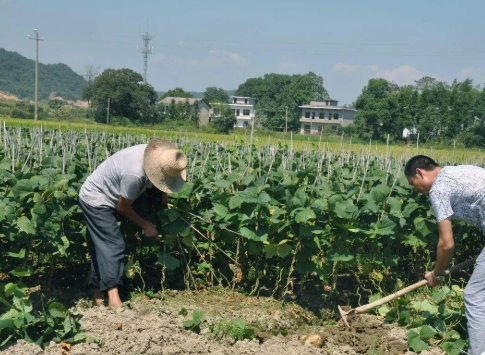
410 288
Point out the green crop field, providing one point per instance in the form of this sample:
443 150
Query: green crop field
276 217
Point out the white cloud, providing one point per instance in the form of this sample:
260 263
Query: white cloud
402 75
348 68
235 57
478 74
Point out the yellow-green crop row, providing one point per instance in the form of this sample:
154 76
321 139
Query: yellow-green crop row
299 142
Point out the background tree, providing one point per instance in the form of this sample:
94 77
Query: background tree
438 111
89 73
225 121
177 92
277 92
129 96
213 94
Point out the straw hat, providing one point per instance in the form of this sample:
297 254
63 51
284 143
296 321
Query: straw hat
165 165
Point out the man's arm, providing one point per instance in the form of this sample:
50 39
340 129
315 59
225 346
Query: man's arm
444 252
124 208
164 199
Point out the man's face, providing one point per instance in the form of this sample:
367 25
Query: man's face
420 183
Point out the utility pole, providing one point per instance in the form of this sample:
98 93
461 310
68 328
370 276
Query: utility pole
286 120
36 39
107 113
146 50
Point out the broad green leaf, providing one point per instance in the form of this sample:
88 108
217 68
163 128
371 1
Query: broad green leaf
39 208
270 250
222 184
184 192
410 208
426 332
173 215
421 226
453 347
183 311
20 254
453 334
404 318
263 198
67 324
220 209
239 323
235 202
168 260
249 234
385 227
176 227
394 206
415 342
284 250
425 306
247 179
188 323
25 225
198 316
305 215
344 256
57 310
22 188
21 272
379 193
383 310
6 324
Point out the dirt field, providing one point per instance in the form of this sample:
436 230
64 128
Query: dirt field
154 326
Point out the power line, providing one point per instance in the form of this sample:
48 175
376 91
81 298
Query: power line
307 51
36 39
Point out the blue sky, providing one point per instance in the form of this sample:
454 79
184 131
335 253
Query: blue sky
222 43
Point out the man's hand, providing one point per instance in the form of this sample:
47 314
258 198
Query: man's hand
151 232
432 282
124 208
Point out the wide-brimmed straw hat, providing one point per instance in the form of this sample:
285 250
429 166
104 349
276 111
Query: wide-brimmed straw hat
165 165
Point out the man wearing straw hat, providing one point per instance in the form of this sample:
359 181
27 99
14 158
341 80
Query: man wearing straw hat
109 192
458 192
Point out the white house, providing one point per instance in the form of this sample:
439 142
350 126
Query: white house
324 113
243 108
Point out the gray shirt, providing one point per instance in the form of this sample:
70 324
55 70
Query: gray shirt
459 191
122 174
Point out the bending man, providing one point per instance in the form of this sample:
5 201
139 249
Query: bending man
458 192
109 192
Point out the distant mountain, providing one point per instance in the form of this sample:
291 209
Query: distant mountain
197 93
17 76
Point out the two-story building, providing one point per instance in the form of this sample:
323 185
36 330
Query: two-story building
243 108
324 113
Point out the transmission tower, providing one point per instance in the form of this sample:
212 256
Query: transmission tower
146 50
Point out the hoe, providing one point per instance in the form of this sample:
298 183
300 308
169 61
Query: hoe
399 293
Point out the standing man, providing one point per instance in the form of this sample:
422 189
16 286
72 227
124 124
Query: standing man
109 192
458 192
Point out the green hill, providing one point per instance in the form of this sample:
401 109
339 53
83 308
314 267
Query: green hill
17 76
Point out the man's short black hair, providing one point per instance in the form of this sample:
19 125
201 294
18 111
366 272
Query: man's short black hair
419 162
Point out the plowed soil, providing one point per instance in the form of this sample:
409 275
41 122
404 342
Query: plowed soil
154 326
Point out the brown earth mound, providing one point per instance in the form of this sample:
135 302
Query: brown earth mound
155 327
